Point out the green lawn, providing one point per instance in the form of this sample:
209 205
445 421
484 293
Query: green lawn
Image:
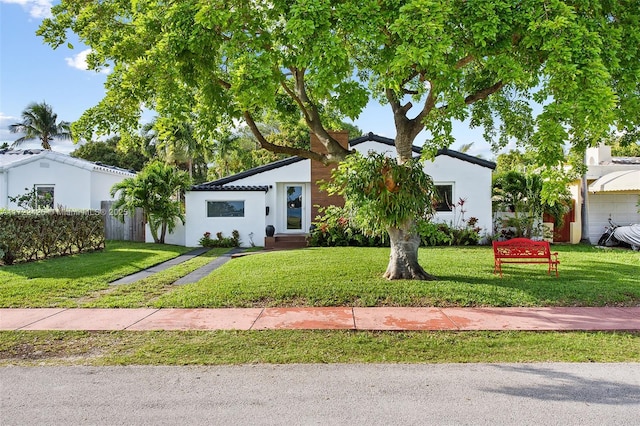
318 277
65 281
347 276
341 276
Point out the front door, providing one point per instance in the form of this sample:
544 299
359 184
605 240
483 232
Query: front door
295 220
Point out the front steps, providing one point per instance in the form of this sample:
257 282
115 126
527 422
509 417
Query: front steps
285 241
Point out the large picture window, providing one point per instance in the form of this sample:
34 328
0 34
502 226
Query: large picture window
225 208
444 198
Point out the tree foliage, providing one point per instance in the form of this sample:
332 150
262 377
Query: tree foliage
377 194
549 74
320 60
40 122
157 189
522 195
621 149
109 152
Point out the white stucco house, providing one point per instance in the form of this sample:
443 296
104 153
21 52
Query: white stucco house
284 194
611 189
73 183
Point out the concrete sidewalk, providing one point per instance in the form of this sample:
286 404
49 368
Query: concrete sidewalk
340 318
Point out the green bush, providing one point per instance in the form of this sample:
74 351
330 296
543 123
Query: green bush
333 229
443 234
38 234
220 240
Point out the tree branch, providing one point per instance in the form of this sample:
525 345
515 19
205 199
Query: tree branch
335 151
429 104
296 98
483 93
279 149
464 61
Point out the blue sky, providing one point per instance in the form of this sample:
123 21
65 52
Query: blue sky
31 71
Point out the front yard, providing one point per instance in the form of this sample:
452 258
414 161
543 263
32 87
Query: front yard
317 277
341 276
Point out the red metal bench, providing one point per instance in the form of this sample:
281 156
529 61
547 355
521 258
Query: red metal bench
524 250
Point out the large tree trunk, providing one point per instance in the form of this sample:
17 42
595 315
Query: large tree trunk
403 260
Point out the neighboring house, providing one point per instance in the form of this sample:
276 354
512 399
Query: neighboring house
612 191
284 194
72 182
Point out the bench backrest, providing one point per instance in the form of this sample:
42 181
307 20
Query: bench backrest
522 247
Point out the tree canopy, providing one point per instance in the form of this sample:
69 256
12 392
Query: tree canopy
109 152
487 60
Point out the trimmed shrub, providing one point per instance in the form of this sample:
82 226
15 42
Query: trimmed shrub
220 240
39 234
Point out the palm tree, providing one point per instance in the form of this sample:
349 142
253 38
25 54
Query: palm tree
157 190
39 122
177 144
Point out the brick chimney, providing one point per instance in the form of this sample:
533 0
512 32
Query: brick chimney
320 172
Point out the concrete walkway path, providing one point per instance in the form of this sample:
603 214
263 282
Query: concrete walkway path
160 267
327 318
202 272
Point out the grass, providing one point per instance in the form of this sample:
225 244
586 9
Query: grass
290 346
341 276
317 277
65 281
347 276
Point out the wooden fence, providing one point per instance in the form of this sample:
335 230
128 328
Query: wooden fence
133 228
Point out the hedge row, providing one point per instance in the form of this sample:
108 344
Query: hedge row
38 234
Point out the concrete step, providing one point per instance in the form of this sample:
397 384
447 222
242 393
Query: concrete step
285 241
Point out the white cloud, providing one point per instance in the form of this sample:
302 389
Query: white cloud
79 61
37 8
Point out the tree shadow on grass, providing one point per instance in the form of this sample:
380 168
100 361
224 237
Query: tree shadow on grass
581 283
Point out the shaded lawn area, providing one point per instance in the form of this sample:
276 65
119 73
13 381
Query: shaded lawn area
349 276
59 282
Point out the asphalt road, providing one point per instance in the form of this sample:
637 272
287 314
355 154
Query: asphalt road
389 394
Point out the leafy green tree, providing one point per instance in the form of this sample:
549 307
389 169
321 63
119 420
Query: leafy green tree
515 160
157 190
4 145
98 151
108 152
40 122
378 201
619 149
431 61
522 195
176 143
